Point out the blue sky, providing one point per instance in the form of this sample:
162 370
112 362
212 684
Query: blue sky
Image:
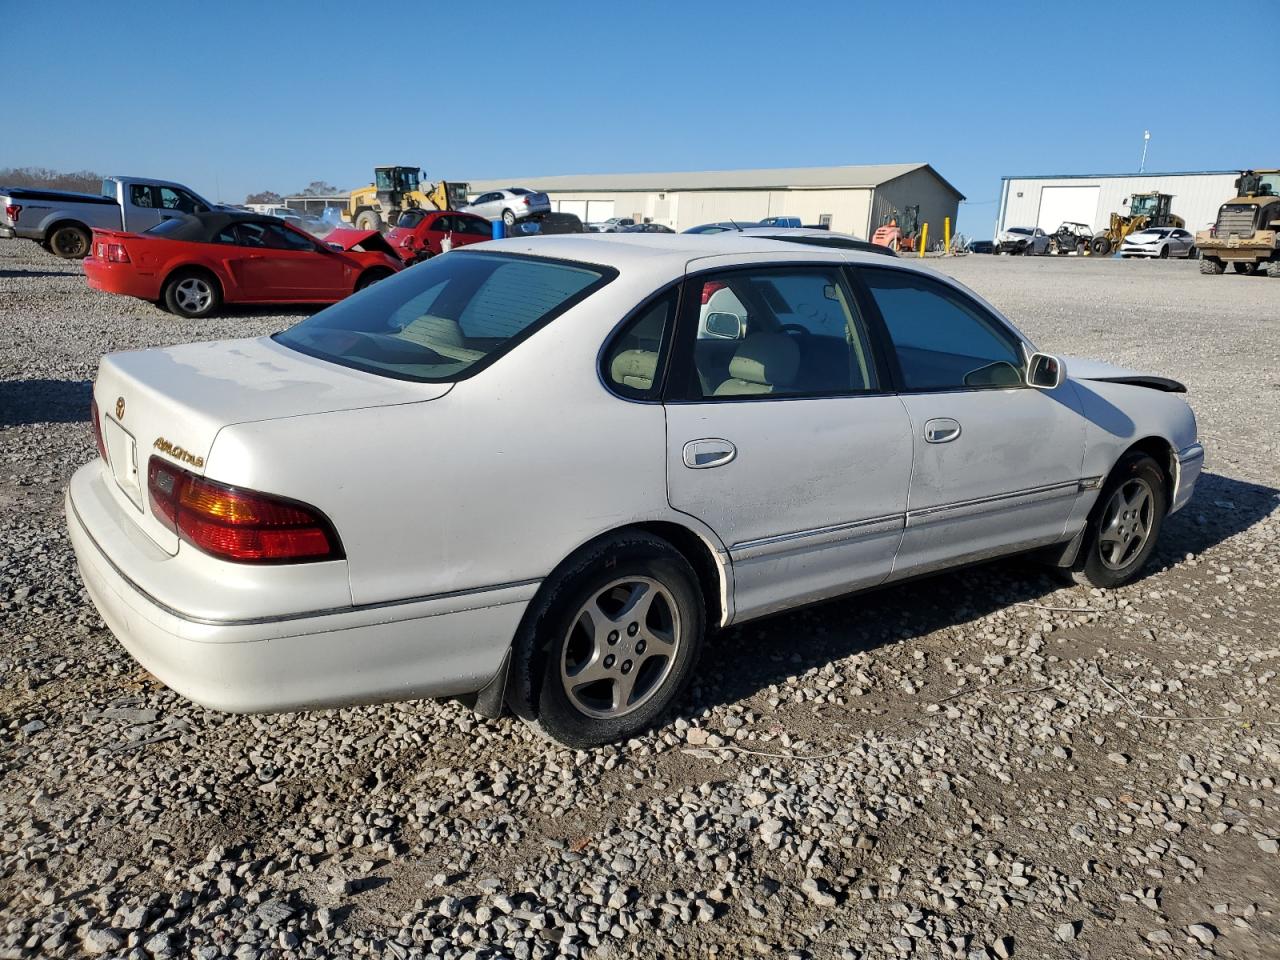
232 97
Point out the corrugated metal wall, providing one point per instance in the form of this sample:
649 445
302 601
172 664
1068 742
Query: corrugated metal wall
1196 196
918 187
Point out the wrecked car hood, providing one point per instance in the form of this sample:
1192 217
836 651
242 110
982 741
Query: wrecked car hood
1082 368
360 241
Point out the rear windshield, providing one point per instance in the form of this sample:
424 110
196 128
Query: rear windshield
520 191
448 318
166 227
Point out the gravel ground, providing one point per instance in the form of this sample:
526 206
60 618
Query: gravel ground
982 764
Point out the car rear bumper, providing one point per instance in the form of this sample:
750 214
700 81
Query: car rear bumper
438 646
8 233
1190 463
121 278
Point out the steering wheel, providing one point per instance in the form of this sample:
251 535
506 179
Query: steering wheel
796 328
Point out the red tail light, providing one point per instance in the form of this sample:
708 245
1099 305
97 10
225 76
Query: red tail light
97 428
238 525
710 287
12 211
116 253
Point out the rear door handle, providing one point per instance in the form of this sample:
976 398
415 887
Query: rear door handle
941 430
708 452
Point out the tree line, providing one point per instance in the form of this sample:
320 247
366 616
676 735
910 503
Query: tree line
86 181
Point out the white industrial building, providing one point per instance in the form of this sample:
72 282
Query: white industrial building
1048 202
849 199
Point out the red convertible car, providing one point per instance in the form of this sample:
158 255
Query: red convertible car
418 234
195 263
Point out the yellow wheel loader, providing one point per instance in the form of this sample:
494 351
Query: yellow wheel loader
1145 210
395 190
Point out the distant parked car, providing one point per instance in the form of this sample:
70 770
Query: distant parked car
1161 242
1026 241
817 237
561 223
982 246
646 228
780 222
62 222
196 263
509 205
420 234
612 225
721 226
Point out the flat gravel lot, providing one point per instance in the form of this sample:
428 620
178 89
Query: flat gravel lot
977 765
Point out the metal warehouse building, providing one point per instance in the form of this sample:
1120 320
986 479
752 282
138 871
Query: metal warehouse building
850 199
1048 202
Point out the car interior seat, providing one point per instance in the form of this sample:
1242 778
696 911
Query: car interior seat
765 363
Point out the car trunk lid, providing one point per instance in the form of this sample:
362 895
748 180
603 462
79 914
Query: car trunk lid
172 402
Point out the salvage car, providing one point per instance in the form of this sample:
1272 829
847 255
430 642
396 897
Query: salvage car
1159 242
194 264
420 234
516 474
509 205
1024 241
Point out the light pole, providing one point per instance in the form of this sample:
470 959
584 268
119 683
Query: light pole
1146 138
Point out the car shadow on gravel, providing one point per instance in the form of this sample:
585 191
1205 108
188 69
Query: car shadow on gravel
746 660
44 401
38 273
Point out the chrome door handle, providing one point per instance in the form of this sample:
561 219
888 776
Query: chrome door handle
941 430
708 452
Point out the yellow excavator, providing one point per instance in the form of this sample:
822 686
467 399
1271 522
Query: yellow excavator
1145 210
395 190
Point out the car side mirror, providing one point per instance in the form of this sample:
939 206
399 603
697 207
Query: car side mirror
724 326
1045 372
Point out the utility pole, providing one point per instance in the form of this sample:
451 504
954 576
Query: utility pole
1146 139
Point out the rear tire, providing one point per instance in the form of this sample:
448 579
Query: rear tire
580 626
69 242
1123 525
192 294
1273 269
1210 267
508 218
369 220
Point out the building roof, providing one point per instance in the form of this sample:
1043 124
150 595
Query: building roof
783 178
1116 176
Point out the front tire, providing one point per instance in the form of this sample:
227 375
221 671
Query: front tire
1101 246
1210 267
1125 523
192 294
369 220
69 242
612 642
370 277
1164 252
1273 269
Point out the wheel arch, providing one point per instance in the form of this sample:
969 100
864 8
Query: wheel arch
1162 452
380 271
192 267
61 222
701 549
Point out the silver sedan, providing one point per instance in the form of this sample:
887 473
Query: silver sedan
1161 242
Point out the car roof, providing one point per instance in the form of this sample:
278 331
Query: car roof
203 227
670 252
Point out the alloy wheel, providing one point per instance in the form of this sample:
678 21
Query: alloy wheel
193 295
621 647
1125 525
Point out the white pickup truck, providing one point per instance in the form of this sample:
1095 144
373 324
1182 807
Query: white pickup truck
63 222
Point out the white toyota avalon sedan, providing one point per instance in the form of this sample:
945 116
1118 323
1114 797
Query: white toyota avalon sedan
536 472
